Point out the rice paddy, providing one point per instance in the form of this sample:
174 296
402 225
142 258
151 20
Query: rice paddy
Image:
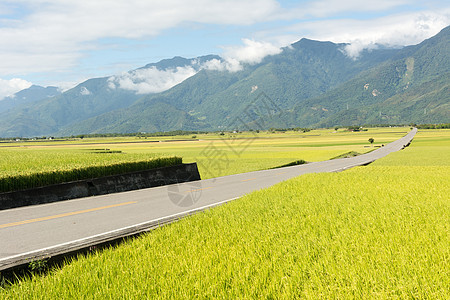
380 231
24 168
215 154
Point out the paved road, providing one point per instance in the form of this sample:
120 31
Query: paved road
35 232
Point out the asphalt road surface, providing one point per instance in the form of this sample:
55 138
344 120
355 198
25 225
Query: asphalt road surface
39 231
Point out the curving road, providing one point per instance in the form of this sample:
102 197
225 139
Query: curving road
40 231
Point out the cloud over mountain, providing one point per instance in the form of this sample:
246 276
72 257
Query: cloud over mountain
395 30
9 87
252 52
154 80
151 80
53 33
45 41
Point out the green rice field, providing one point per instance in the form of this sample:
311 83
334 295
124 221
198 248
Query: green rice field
376 232
28 168
28 164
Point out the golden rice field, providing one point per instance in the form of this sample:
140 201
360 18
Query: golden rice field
23 168
375 232
35 163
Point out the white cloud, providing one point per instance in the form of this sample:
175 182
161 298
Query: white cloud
229 64
65 86
393 30
84 91
12 86
326 8
151 80
53 36
354 49
252 52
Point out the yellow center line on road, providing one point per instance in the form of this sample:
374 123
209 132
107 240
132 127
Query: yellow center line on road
248 179
281 173
199 190
64 215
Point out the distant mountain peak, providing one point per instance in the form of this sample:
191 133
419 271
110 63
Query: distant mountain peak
308 43
178 61
27 96
311 83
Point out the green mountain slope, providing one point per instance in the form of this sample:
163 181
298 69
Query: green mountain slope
412 87
94 97
214 99
309 83
45 117
27 96
428 102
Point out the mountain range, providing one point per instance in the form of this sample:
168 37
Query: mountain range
28 96
308 84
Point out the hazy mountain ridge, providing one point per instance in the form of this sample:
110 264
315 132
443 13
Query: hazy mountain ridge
397 91
312 83
32 94
94 97
214 98
178 61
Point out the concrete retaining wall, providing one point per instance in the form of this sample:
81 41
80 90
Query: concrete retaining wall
100 186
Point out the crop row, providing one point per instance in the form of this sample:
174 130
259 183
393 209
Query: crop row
98 169
375 232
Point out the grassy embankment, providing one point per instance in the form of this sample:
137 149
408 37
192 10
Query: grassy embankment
380 231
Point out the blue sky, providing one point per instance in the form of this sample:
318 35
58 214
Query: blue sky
63 42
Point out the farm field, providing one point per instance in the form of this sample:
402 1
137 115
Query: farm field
216 155
380 231
23 168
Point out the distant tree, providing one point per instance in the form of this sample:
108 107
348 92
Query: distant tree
354 128
336 128
371 140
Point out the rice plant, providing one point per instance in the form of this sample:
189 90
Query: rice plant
28 168
374 232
